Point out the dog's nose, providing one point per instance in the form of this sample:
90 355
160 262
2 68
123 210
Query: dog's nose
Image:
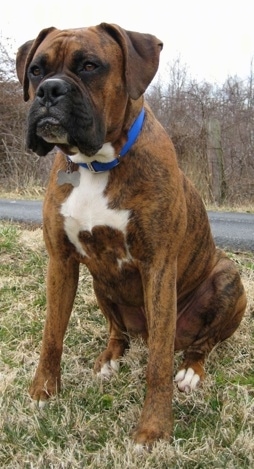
51 91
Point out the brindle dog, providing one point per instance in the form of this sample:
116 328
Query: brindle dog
118 202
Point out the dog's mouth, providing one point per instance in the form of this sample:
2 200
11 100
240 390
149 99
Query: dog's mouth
45 132
51 131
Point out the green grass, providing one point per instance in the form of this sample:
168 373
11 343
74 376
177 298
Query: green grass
89 424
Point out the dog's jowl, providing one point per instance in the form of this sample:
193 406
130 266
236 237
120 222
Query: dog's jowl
118 202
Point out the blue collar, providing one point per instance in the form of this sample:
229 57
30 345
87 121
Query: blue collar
133 133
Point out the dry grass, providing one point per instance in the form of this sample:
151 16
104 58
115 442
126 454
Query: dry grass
29 192
232 207
89 424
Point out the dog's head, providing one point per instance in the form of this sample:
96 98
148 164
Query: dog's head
80 82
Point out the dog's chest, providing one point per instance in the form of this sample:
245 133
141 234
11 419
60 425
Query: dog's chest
92 227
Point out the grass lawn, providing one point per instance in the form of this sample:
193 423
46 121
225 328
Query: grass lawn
89 424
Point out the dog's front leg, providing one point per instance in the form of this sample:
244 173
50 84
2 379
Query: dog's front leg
62 281
160 302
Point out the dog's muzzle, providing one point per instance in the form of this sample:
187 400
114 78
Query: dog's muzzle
49 96
63 114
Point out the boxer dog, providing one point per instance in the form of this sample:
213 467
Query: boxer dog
118 202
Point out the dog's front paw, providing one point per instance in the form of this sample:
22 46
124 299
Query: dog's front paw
146 436
43 387
156 421
187 380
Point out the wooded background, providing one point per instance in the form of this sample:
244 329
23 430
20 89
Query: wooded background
211 125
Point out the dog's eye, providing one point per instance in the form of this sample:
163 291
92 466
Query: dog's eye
89 67
35 71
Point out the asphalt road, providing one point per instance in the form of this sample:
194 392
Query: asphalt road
234 231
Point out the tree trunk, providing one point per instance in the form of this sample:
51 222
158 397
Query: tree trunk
215 161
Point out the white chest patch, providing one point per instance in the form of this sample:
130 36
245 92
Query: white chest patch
87 207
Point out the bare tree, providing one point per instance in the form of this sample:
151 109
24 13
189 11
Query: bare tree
212 128
19 167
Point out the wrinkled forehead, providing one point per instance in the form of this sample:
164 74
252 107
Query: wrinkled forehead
75 44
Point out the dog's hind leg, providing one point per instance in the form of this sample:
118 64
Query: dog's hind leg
210 315
124 322
108 361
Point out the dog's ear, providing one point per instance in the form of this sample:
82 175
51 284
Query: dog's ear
21 59
141 55
24 57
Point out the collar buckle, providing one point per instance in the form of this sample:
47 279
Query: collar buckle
91 168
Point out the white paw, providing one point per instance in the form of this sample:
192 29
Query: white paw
108 369
187 380
141 449
38 404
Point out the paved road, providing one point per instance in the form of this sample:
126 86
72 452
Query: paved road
231 230
28 211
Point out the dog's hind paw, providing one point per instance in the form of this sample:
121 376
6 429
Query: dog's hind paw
141 449
187 380
108 369
38 404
